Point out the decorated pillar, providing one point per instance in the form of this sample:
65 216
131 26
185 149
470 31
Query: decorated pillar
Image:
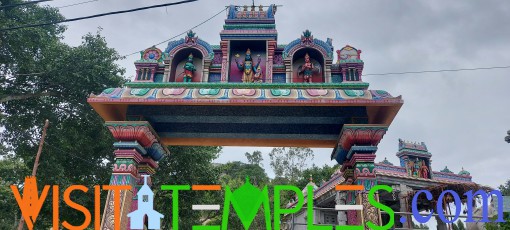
340 199
344 75
137 151
402 196
271 46
205 73
288 69
327 70
356 152
224 61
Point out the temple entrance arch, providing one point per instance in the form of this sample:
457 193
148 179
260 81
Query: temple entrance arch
179 60
146 116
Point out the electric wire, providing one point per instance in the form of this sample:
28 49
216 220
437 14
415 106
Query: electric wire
76 4
369 74
178 35
438 71
97 15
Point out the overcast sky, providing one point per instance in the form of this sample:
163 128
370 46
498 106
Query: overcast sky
461 116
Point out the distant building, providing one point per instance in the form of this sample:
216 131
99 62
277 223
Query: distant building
145 209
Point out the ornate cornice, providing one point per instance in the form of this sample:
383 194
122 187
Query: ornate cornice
369 135
132 134
346 85
140 131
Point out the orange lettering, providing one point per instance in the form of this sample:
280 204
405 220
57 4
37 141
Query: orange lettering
68 201
97 208
55 207
31 203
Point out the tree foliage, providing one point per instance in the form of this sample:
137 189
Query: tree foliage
505 191
234 174
290 162
255 158
319 175
186 166
43 78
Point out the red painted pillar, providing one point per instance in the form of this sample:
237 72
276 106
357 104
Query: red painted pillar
136 151
356 152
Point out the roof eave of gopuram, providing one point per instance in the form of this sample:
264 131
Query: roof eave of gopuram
112 103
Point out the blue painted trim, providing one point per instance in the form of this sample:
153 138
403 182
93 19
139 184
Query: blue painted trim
130 145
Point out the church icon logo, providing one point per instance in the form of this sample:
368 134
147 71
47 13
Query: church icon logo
145 209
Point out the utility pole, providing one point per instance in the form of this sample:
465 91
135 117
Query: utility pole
36 164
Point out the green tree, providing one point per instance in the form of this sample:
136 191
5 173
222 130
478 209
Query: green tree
290 162
43 78
318 174
9 168
187 166
254 158
239 171
234 175
505 190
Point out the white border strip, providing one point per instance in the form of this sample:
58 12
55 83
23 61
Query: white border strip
348 207
205 207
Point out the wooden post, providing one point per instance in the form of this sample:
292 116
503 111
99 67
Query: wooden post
36 164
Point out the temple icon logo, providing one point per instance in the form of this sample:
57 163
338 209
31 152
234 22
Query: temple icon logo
145 209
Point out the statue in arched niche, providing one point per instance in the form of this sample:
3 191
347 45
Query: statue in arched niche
189 69
307 69
424 170
247 66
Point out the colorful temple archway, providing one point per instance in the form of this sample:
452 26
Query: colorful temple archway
247 91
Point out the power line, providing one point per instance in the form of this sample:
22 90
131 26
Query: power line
438 71
24 3
178 35
97 15
75 4
370 74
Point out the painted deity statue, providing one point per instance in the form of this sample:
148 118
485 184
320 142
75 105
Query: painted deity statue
189 69
410 167
307 69
247 67
257 78
417 165
424 170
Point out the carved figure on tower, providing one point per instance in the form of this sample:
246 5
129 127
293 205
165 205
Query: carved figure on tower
424 170
417 165
189 69
247 66
410 167
307 69
258 76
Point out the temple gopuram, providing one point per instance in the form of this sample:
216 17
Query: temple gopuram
253 90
